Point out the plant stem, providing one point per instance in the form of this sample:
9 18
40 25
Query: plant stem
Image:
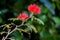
31 15
4 38
9 33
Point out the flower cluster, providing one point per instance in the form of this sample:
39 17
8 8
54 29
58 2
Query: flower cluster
33 8
23 16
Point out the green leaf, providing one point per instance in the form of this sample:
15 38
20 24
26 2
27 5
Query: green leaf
16 35
13 19
1 20
33 28
57 20
39 21
12 39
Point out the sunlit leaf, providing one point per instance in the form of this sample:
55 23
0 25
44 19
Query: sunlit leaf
33 28
57 20
13 19
39 21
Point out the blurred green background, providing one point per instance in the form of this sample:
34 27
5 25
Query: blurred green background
50 15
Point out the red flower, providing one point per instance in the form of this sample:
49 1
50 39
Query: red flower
34 8
23 16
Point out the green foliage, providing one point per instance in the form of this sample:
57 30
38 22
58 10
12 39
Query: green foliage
45 26
16 35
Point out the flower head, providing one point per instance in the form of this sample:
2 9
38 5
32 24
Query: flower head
34 8
23 16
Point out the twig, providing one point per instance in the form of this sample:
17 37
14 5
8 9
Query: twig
9 33
4 38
